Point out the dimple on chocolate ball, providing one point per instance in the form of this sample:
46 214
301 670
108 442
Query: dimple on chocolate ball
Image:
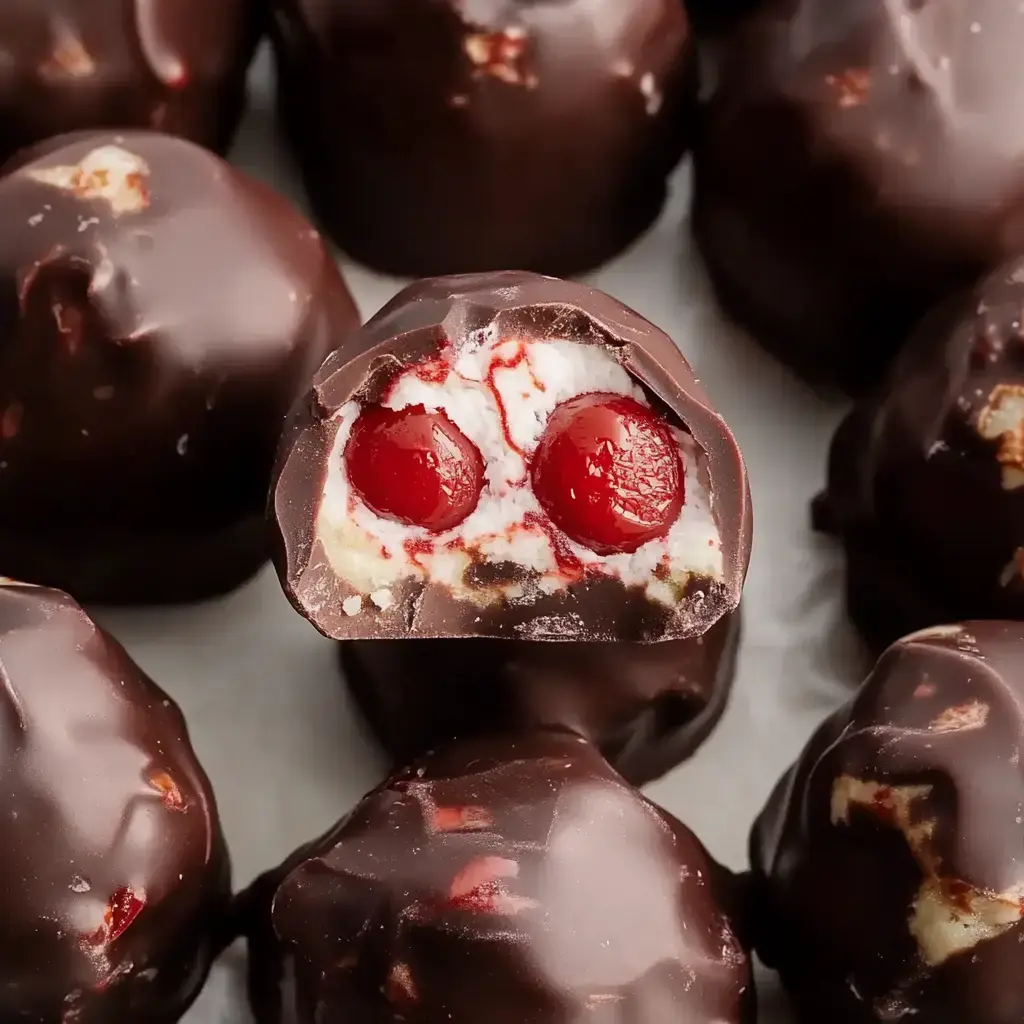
887 870
506 880
114 875
926 476
511 498
178 66
444 136
857 160
159 314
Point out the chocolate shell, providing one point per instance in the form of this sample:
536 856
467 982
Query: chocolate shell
857 160
160 312
508 880
116 880
434 324
926 477
887 863
177 66
647 706
439 137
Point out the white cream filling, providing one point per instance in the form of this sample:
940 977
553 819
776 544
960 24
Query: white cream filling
370 553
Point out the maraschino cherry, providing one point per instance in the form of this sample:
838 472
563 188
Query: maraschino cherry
413 466
608 473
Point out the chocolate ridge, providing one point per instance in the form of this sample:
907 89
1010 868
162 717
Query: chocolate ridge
411 328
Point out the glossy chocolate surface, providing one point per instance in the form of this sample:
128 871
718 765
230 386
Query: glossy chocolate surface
159 313
114 877
647 706
926 477
452 312
439 137
177 66
857 160
503 881
887 868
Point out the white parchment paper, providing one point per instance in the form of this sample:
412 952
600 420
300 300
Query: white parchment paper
261 689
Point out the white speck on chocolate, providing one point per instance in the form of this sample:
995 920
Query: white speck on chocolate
352 605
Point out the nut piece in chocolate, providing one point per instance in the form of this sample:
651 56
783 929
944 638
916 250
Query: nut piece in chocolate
888 878
926 477
159 314
439 137
507 880
177 66
858 160
116 879
513 456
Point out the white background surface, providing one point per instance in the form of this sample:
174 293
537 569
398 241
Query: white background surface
262 692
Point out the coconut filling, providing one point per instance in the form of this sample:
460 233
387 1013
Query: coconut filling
500 393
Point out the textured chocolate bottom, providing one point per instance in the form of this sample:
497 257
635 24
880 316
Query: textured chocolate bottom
151 569
646 706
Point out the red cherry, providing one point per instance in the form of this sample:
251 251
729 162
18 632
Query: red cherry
414 466
125 905
608 473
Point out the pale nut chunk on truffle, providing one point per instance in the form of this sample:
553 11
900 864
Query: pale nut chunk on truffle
1002 420
501 54
108 173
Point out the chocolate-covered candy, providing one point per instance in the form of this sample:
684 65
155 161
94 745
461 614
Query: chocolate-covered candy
647 706
440 137
178 66
926 477
159 314
115 877
522 459
508 880
887 862
858 159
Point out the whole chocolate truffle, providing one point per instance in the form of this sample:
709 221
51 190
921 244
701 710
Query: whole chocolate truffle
926 477
857 160
115 877
159 314
174 65
508 880
887 862
522 459
439 136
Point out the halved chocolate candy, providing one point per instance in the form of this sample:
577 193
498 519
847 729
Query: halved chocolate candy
513 493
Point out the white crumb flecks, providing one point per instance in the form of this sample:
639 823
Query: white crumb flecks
948 916
109 173
949 919
525 380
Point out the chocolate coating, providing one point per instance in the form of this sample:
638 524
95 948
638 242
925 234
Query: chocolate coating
178 66
439 137
926 477
114 876
887 861
159 313
647 706
511 880
413 328
857 160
